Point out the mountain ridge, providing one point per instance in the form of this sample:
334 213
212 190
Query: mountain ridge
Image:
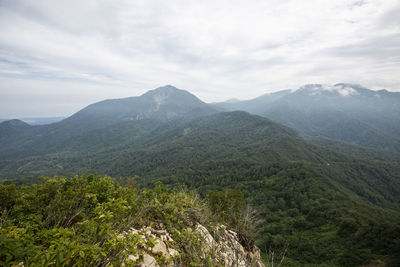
307 194
159 106
163 103
345 112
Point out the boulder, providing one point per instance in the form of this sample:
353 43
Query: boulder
148 261
159 248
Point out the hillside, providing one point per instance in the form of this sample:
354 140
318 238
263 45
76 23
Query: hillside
140 114
130 149
95 221
344 112
11 127
162 104
332 205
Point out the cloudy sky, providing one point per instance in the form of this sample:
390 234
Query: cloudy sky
59 56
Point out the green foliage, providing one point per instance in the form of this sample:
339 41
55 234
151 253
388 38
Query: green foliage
316 220
336 206
79 221
228 205
229 208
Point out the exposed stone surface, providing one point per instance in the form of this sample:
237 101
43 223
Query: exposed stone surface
173 252
148 261
133 258
227 251
159 248
146 256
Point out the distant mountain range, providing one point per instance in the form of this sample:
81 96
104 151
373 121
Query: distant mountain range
329 193
38 120
162 104
148 111
345 112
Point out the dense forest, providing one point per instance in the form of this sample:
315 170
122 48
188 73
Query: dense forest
318 201
292 210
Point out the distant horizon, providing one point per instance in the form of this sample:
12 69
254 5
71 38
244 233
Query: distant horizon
50 116
57 57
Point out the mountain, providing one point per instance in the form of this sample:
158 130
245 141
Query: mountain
253 105
334 207
38 120
141 113
161 104
344 112
11 127
42 120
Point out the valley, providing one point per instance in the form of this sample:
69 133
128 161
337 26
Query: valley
320 168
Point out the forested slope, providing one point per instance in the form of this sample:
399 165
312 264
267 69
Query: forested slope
345 112
328 203
328 207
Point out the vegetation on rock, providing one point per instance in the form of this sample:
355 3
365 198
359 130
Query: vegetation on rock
88 220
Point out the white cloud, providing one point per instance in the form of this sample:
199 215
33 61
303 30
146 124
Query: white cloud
215 49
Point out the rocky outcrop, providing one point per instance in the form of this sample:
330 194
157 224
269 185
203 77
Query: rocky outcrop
228 249
160 248
223 247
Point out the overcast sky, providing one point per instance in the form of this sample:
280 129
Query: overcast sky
59 56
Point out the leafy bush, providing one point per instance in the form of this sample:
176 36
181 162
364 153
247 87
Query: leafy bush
229 208
78 221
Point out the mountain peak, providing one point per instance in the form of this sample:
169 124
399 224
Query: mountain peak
167 93
339 89
351 85
172 95
12 127
164 90
162 104
15 123
167 87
